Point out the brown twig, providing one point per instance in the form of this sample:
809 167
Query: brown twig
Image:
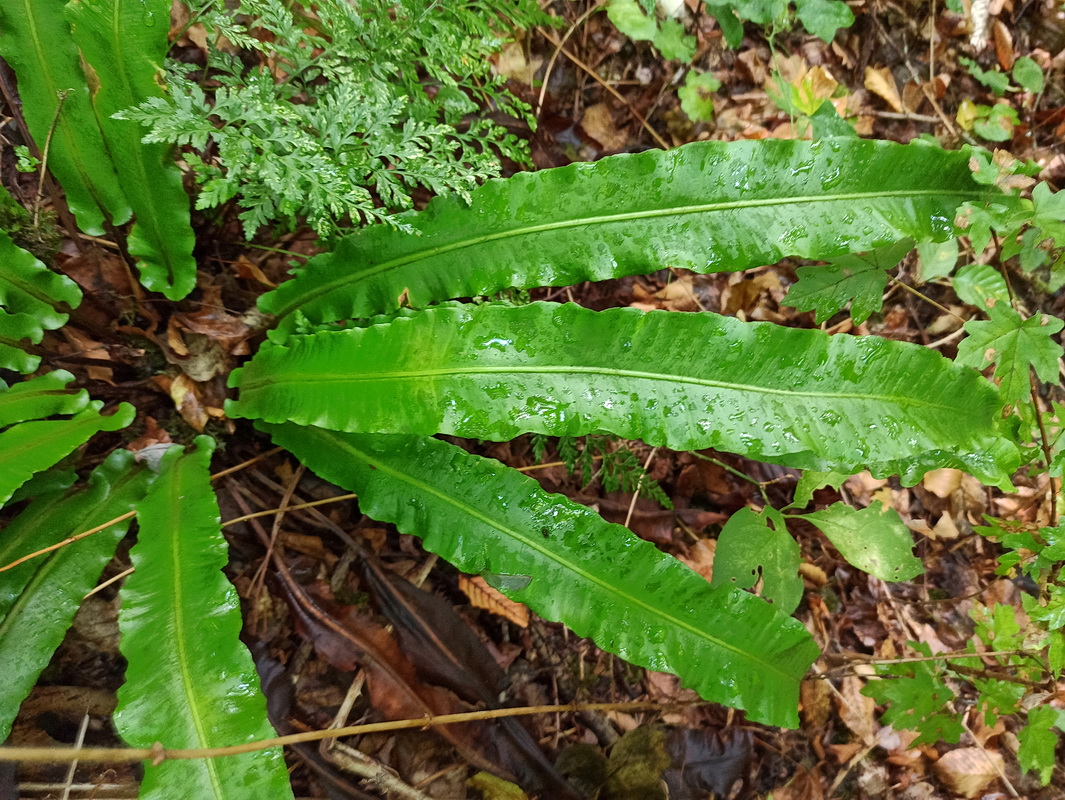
1044 443
558 49
595 76
122 517
293 507
157 753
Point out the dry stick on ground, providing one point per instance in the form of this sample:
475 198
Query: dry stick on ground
44 156
345 757
258 581
157 754
595 76
927 299
1033 390
994 764
558 49
357 763
639 485
924 87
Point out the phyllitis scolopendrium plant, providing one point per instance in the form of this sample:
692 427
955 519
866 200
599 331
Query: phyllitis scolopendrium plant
359 401
368 360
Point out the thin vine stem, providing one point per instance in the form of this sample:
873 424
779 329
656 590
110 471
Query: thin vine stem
157 754
123 517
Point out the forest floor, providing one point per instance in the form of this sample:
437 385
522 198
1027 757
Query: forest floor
896 73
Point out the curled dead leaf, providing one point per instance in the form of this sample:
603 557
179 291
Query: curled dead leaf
882 83
484 596
969 770
942 482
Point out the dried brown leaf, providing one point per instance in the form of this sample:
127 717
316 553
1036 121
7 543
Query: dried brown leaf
857 711
484 596
446 651
700 557
969 770
882 83
804 785
1003 45
599 123
249 270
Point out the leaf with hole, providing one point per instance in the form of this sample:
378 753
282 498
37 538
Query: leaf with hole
751 550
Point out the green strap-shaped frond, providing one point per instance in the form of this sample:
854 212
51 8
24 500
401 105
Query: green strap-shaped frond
35 41
41 397
570 565
14 330
33 299
190 682
30 447
125 42
707 206
38 598
795 397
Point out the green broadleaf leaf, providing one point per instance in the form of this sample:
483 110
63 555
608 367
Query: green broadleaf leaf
598 578
917 696
630 19
13 329
125 43
729 22
1039 742
810 481
673 42
30 447
859 280
707 206
873 539
697 95
38 598
823 18
28 287
685 381
761 12
41 397
981 285
190 682
997 82
1028 75
1013 345
827 123
749 550
35 41
936 259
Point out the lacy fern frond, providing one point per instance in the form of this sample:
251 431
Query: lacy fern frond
349 110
